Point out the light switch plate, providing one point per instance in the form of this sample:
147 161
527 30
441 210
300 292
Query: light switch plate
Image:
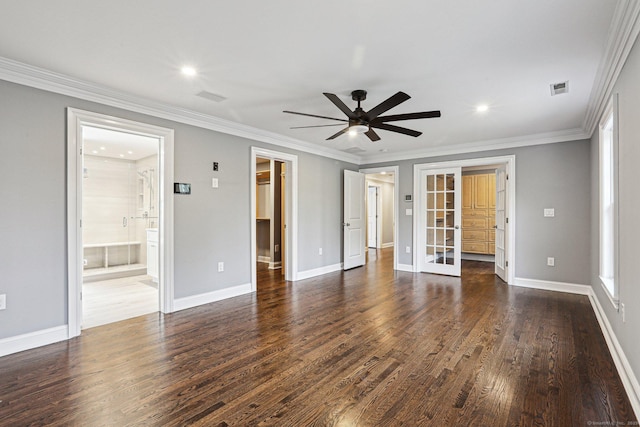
214 182
408 212
549 212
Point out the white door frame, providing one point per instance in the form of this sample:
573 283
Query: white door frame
291 212
378 222
396 181
510 162
76 119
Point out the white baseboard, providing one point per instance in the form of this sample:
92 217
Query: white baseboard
548 285
206 298
33 339
387 245
275 265
318 271
629 380
405 267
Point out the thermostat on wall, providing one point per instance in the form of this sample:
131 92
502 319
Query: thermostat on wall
181 188
407 197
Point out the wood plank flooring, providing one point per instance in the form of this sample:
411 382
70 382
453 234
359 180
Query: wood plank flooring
366 347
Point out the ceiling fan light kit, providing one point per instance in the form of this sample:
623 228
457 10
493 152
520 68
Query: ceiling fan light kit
361 121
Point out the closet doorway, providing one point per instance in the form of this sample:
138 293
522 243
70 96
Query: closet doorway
273 215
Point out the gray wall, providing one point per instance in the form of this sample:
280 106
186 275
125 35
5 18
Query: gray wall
628 91
547 176
211 225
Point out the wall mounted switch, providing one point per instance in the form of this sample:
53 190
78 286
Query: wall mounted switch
408 249
214 182
551 261
408 212
3 301
319 251
549 212
220 267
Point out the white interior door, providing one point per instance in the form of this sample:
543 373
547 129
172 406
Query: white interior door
501 223
440 213
354 220
372 217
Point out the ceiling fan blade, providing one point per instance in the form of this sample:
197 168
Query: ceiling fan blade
408 116
393 128
388 104
314 115
373 136
345 130
316 126
341 105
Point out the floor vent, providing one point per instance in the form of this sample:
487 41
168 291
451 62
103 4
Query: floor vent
559 88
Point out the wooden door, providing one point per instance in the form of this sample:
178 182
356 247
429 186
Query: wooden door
354 220
467 192
481 184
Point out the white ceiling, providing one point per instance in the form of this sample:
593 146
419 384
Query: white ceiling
118 145
269 56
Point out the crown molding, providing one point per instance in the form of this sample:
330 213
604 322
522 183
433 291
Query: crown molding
477 146
39 78
623 32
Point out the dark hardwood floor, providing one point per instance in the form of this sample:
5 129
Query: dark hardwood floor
365 347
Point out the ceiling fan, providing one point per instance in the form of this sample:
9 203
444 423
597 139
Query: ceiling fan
360 121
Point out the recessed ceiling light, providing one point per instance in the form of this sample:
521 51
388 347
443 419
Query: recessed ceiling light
383 172
130 152
102 148
482 108
189 71
121 155
94 151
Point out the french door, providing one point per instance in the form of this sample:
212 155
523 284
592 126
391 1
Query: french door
440 214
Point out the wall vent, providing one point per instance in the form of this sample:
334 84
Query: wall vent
559 88
211 96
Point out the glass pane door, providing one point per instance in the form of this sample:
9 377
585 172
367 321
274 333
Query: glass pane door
440 219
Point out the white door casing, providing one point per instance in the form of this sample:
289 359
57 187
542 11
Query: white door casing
372 216
501 223
76 119
354 220
440 213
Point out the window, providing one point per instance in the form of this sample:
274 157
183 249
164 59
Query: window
608 207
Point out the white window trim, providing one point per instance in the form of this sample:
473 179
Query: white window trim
609 282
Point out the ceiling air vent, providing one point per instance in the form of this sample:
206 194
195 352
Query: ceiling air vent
354 150
211 96
559 88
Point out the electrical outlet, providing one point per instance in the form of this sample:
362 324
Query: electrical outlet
3 301
624 320
220 267
408 249
551 261
319 251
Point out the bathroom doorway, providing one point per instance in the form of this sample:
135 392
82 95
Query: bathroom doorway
120 225
120 218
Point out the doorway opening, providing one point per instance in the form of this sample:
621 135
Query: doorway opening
270 218
381 213
120 219
380 196
273 215
465 210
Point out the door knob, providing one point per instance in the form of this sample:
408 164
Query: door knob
345 224
457 227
